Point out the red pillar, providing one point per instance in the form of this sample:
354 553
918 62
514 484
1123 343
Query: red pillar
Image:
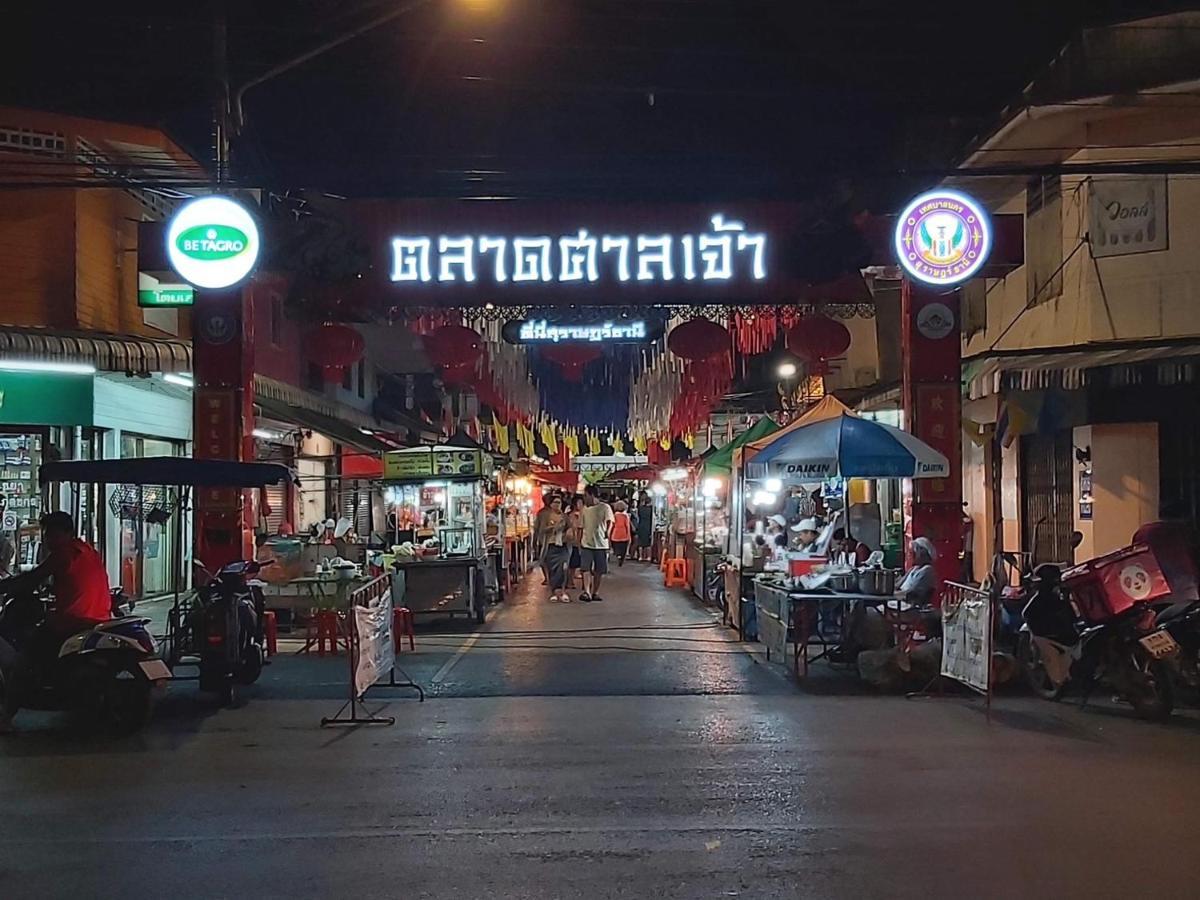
932 394
223 418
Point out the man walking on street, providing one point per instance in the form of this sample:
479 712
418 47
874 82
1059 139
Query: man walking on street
597 525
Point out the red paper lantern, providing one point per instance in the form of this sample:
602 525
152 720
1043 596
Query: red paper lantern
453 345
334 346
818 339
572 358
698 339
459 376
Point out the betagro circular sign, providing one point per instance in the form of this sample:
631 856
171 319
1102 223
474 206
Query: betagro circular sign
943 237
212 242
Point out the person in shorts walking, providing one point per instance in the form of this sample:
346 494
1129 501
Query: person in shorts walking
597 526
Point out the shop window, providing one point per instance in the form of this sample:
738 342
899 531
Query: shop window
21 454
1043 239
314 378
151 551
362 378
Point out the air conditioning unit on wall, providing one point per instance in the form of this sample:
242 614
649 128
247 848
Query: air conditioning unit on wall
865 376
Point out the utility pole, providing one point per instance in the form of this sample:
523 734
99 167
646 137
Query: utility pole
220 92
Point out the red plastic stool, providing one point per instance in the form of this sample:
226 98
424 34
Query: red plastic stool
326 621
677 573
271 632
402 624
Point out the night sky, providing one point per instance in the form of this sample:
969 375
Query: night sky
848 102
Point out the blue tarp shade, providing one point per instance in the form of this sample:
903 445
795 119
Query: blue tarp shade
167 470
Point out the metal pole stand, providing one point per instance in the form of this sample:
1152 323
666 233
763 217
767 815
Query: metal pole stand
357 702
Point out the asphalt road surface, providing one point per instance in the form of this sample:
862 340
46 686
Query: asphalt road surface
623 749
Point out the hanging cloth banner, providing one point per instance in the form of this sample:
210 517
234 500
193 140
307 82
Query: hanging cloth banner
376 652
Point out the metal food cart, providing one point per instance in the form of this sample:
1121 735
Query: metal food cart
436 512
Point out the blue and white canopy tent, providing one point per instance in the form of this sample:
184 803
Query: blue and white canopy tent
831 441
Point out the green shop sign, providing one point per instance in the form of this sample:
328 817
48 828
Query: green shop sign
166 296
212 242
39 398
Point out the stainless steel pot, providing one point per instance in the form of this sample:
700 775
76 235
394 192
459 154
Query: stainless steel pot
877 581
846 582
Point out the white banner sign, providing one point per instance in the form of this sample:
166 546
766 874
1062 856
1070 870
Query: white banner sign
376 652
1127 215
966 636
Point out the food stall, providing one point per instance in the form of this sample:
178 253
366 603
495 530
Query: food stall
519 504
435 502
810 597
720 525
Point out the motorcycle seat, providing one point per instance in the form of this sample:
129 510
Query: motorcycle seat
117 623
1174 611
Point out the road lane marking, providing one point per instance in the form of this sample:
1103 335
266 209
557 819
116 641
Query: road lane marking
453 661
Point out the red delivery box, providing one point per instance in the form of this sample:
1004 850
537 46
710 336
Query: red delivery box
1108 585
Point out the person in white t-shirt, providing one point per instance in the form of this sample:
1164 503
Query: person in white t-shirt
597 525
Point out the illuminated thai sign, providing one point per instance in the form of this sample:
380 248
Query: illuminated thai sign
212 242
540 331
943 237
724 254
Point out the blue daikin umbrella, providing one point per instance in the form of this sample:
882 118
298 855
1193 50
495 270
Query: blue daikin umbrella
849 446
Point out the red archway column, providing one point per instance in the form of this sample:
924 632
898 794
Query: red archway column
932 396
223 419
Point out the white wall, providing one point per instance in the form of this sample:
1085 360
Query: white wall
1124 484
314 489
144 406
147 407
1144 296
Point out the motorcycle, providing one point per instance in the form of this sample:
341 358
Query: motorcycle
1123 651
111 671
228 624
1178 627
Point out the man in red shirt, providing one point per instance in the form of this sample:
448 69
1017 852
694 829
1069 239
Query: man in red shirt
81 596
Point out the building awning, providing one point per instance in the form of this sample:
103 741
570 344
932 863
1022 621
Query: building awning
1178 363
107 352
280 392
336 429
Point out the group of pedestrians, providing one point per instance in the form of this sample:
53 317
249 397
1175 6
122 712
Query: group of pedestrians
576 534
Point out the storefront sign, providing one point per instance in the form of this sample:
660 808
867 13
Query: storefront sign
540 331
943 237
400 465
1126 215
166 296
213 242
728 252
38 398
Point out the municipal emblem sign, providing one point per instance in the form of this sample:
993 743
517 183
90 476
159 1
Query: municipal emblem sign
943 237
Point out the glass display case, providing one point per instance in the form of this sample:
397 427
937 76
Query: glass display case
441 518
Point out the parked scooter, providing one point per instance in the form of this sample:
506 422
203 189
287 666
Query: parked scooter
1122 651
111 671
1179 646
228 624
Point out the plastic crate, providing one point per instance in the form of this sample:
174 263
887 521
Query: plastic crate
1112 584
